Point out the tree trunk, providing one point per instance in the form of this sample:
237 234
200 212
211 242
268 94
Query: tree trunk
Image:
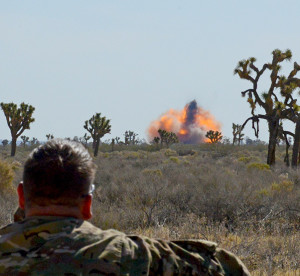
13 146
296 144
273 130
96 147
287 156
112 144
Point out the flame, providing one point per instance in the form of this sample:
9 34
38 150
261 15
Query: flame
189 124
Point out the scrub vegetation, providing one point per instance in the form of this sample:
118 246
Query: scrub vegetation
217 192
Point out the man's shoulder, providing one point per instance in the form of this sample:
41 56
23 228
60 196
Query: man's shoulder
53 229
88 228
89 233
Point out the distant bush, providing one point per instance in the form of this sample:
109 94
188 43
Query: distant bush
248 159
259 166
152 172
169 152
174 159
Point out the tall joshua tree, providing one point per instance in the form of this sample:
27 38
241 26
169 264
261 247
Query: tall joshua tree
237 133
97 126
18 119
277 102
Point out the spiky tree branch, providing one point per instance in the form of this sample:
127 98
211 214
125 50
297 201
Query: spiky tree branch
275 109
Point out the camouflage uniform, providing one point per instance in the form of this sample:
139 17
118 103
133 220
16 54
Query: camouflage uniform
69 246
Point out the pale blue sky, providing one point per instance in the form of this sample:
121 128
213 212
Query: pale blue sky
133 60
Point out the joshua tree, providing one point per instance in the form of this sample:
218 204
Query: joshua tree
25 140
18 119
34 141
214 136
130 137
97 126
171 139
112 144
49 136
167 138
117 140
4 142
296 145
283 136
237 133
156 140
275 108
86 137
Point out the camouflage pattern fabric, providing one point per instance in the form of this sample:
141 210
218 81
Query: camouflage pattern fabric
69 246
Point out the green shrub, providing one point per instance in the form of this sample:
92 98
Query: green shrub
153 173
264 192
285 186
248 159
259 166
131 155
174 159
16 165
106 155
6 177
169 152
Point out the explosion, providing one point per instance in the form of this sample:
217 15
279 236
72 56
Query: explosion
189 124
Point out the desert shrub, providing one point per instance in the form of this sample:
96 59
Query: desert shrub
8 201
248 159
174 159
283 186
131 154
6 177
152 172
169 152
258 166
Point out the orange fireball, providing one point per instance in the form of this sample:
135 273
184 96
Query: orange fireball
189 124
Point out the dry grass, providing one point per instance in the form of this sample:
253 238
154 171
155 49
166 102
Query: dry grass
225 194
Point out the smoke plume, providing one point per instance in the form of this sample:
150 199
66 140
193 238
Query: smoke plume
189 124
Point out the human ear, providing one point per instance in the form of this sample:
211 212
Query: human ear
86 207
20 191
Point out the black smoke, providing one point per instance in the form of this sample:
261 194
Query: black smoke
194 133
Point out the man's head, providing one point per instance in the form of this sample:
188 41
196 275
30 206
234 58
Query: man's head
57 175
